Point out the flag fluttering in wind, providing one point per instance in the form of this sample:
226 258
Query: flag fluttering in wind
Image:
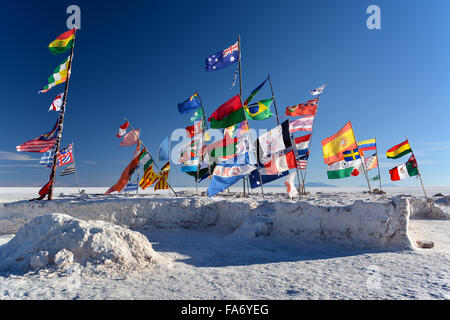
273 141
259 110
341 141
47 158
163 151
195 129
65 156
351 155
198 114
123 129
42 143
63 42
281 162
223 58
228 114
290 185
45 189
317 90
59 76
406 170
126 174
343 169
57 103
70 169
371 162
161 184
236 130
399 150
131 138
149 178
255 181
302 124
302 144
254 92
130 187
303 109
367 145
375 178
190 104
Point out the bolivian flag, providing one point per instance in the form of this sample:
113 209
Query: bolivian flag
59 76
342 140
63 43
399 150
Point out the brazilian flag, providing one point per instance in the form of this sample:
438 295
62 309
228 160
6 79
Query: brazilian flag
259 110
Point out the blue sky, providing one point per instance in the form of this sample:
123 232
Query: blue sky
139 59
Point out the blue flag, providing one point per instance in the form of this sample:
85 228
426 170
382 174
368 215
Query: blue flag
163 151
266 178
223 58
190 104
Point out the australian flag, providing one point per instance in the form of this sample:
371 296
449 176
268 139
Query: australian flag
223 58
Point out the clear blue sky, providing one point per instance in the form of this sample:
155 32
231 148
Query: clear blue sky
139 59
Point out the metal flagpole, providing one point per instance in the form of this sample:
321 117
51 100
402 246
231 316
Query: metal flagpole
170 153
274 101
203 140
418 171
378 162
61 121
76 175
156 165
362 161
137 178
240 89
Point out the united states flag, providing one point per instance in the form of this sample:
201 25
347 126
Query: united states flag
65 156
301 164
42 143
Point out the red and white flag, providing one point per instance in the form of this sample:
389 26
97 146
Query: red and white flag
281 163
301 164
302 124
57 103
195 129
290 184
123 129
131 138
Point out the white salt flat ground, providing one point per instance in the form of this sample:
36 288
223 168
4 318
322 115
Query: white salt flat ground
210 265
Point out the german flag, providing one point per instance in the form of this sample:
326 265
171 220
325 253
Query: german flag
63 42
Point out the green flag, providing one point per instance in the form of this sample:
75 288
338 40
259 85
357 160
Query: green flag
259 110
377 177
198 114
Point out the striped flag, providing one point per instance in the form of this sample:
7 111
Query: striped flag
47 158
130 187
367 145
63 42
302 124
57 103
70 169
40 144
301 164
65 156
149 178
59 76
162 182
302 144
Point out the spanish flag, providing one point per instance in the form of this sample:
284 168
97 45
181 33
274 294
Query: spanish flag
399 150
341 141
63 42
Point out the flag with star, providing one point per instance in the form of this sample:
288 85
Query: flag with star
223 58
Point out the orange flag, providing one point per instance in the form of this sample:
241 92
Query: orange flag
341 141
126 174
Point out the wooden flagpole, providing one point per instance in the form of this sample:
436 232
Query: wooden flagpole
156 165
61 121
418 171
378 162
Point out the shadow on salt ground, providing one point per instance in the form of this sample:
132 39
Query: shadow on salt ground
208 248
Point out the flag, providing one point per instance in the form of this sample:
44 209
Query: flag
236 130
273 141
223 58
144 159
163 151
367 145
149 177
162 182
65 156
254 92
280 162
343 169
375 178
302 124
341 141
235 77
59 76
192 150
45 189
371 162
259 110
42 143
57 103
290 185
189 104
301 164
63 42
228 173
399 150
131 138
302 144
126 174
47 158
123 129
70 169
303 109
351 155
195 129
130 187
406 170
317 90
222 147
227 114
198 114
265 177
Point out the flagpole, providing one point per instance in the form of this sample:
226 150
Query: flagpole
170 149
156 165
418 171
204 140
378 162
274 100
294 146
240 90
362 161
137 178
61 121
76 175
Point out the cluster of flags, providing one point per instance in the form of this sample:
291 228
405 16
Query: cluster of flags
48 143
405 170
